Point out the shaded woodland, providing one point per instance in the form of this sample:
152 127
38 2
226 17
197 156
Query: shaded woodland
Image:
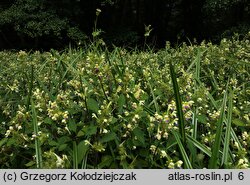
44 24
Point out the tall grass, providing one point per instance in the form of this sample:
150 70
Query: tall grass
213 162
38 149
181 121
226 149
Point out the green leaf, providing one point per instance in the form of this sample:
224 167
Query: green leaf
148 110
74 109
80 133
213 162
11 141
144 152
92 105
48 120
139 135
62 147
194 124
106 162
121 102
202 118
37 140
108 137
52 143
226 151
3 141
239 122
72 125
75 155
63 139
234 136
29 164
114 120
202 147
90 130
181 122
185 157
82 149
157 109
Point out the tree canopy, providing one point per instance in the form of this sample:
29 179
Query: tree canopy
53 24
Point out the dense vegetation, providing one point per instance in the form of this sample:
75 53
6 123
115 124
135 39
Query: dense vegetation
115 103
45 24
92 108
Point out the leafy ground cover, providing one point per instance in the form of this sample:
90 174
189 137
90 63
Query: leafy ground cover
187 107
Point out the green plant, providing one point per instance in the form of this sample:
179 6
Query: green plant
95 108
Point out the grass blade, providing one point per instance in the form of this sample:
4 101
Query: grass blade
202 147
191 146
31 81
37 141
216 147
196 61
178 104
154 98
75 155
187 163
225 155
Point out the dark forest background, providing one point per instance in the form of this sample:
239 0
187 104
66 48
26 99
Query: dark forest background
45 24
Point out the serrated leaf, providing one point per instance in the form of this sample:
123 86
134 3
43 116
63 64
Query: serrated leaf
92 105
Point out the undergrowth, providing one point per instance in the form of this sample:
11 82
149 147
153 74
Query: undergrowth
92 108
